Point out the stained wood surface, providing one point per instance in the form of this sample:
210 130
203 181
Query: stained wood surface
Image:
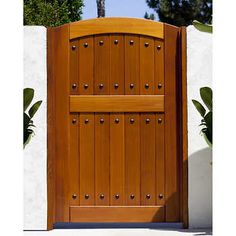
132 57
62 89
102 162
117 103
172 192
148 163
87 160
85 66
74 53
120 148
101 64
117 159
117 64
159 85
117 214
116 25
73 160
132 159
146 65
160 159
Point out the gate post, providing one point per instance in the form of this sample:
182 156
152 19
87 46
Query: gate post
58 110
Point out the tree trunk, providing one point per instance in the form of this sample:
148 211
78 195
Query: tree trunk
101 8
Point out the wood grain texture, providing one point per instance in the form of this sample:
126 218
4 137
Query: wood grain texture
60 63
73 160
102 159
93 158
87 162
148 164
117 64
132 159
116 25
132 69
74 80
51 178
86 65
160 159
101 64
171 171
146 65
159 67
117 103
117 214
117 159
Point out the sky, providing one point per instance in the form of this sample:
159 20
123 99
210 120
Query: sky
124 8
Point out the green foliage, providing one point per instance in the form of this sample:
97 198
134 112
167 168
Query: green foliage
28 122
149 16
182 12
202 27
52 12
206 122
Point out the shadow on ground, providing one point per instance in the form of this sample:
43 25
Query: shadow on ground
153 226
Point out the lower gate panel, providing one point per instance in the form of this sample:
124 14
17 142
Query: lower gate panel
132 214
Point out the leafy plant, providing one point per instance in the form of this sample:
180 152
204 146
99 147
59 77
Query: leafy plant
27 116
206 113
181 12
52 12
202 27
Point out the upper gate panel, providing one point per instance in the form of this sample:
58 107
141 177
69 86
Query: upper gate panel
116 25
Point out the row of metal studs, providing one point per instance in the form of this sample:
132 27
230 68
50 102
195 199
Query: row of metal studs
116 42
86 121
132 196
116 86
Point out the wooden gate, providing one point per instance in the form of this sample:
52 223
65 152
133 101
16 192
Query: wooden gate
117 122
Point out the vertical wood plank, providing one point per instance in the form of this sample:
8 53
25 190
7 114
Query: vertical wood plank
147 146
159 67
160 159
132 159
146 65
102 162
86 65
73 161
117 64
87 159
132 130
62 89
171 172
102 64
74 82
117 159
132 55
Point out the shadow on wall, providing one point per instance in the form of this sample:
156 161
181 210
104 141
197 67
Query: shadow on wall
200 189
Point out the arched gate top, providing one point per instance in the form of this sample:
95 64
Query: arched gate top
116 25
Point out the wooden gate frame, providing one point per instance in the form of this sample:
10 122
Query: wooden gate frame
58 66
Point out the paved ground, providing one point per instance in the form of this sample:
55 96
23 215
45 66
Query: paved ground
118 232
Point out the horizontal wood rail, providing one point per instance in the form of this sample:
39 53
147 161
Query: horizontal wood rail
117 103
110 214
116 25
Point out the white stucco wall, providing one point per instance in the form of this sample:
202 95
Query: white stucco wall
199 74
199 69
35 76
